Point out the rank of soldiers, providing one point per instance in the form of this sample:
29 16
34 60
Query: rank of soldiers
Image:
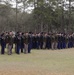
24 42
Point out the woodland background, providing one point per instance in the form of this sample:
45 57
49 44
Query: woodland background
43 15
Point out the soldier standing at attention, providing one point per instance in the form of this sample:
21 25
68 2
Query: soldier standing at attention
3 43
38 41
41 40
56 41
73 39
18 43
70 44
30 42
22 44
63 41
26 42
53 41
67 40
44 40
48 41
34 41
59 41
10 43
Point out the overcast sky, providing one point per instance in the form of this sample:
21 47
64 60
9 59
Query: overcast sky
13 3
29 9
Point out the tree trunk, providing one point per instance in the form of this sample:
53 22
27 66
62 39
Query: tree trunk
16 27
69 26
41 26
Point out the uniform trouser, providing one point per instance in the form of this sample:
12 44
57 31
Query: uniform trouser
15 48
38 45
54 45
63 45
22 46
18 48
41 45
9 49
34 44
48 45
70 44
44 45
2 49
59 45
21 50
66 44
29 47
25 48
5 45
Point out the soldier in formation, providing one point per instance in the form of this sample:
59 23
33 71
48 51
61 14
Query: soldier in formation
24 42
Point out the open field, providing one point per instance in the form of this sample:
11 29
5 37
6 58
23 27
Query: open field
39 62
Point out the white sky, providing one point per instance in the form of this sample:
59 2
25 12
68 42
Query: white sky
29 9
13 3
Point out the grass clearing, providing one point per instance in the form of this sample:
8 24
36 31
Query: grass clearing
39 62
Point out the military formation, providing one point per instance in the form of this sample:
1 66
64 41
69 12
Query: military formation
23 42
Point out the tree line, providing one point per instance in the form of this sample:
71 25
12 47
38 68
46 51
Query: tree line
46 15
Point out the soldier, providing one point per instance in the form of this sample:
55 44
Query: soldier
18 42
44 41
53 41
61 46
6 40
56 40
59 41
41 40
26 42
22 43
38 40
67 40
70 44
63 41
34 41
3 43
10 43
48 41
30 42
15 42
73 39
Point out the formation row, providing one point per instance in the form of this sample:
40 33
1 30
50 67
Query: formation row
24 42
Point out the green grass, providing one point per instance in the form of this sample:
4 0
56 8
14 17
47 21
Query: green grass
39 62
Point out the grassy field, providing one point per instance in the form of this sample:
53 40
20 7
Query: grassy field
39 62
